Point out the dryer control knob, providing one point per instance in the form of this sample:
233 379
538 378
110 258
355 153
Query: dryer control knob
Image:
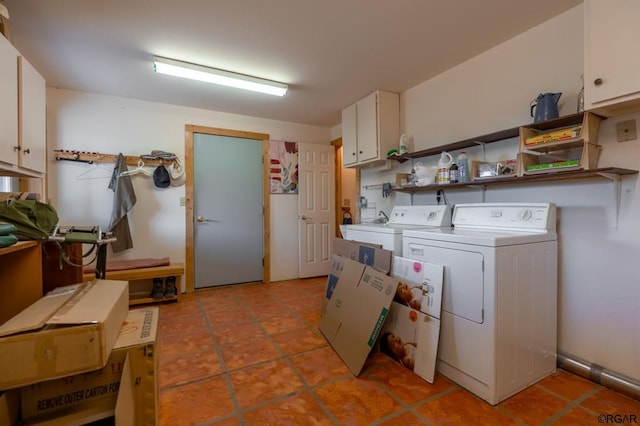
526 215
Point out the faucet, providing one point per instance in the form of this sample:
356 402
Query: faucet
385 217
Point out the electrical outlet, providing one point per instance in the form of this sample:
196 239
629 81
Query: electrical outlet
182 201
626 130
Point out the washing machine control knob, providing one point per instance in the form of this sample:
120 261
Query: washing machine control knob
526 215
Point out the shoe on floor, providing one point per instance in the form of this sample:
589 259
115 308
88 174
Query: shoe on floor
170 289
157 292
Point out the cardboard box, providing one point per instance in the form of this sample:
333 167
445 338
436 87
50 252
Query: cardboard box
70 330
369 254
410 336
126 387
10 407
356 311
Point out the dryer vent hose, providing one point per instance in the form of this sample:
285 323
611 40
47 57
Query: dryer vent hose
600 375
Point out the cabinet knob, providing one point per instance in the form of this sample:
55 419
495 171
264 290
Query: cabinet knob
353 153
27 151
597 81
360 152
16 148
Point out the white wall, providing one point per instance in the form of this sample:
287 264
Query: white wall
97 123
599 291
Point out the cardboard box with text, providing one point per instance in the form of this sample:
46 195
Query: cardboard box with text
70 330
127 387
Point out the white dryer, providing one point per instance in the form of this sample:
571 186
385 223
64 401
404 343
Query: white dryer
402 218
499 306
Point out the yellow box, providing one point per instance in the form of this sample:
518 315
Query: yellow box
556 135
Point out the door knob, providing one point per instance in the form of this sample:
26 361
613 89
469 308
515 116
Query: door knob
201 219
303 217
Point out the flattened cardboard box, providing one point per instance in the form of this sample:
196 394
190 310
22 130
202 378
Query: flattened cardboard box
411 332
126 386
70 330
366 254
357 310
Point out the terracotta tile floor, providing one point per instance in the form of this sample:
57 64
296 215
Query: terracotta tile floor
252 355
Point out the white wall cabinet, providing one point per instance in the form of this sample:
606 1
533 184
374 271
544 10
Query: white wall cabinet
32 118
611 63
22 115
8 104
370 128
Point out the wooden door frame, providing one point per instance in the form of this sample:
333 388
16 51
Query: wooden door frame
337 144
189 197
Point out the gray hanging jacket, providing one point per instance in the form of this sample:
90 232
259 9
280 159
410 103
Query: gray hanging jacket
124 199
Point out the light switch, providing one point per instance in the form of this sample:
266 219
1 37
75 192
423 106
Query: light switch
626 130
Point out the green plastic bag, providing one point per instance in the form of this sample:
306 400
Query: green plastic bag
33 220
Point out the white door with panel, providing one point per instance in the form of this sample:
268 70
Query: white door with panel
228 210
316 217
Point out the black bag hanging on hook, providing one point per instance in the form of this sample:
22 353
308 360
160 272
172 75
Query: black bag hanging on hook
161 177
346 218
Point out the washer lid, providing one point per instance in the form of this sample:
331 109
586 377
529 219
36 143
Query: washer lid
383 228
487 238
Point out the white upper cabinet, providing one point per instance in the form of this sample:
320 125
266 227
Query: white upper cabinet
612 63
370 128
32 97
22 115
8 104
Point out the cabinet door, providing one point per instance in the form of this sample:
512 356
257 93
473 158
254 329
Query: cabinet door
367 128
349 136
33 118
611 33
8 102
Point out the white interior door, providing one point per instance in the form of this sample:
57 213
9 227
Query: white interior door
228 210
316 217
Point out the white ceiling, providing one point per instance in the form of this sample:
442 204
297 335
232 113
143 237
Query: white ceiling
331 52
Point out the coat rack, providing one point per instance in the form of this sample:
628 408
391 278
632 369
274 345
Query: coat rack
96 157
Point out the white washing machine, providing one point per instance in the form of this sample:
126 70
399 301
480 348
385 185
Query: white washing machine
402 218
499 306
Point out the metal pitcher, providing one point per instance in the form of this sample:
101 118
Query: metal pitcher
546 105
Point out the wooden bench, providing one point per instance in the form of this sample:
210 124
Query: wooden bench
141 281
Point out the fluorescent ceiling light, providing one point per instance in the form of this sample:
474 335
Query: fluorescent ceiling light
216 76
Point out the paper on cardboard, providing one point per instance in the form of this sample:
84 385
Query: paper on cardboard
356 311
420 285
127 386
412 330
68 331
411 338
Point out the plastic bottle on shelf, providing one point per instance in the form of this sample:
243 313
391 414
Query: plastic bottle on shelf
463 167
443 167
402 148
453 173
